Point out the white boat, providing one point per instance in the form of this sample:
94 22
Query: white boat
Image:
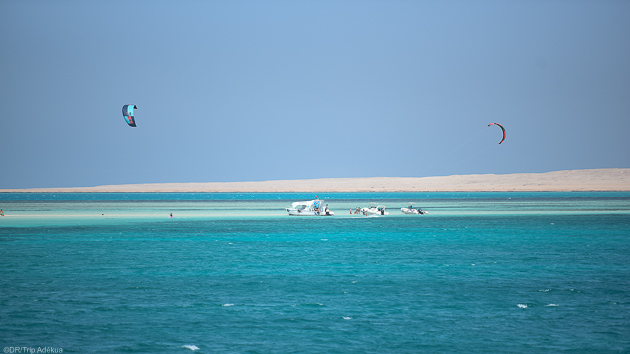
314 207
412 210
375 210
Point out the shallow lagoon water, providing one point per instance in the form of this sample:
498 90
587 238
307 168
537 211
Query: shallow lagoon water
483 272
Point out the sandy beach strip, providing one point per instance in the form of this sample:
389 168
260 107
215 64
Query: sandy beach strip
610 179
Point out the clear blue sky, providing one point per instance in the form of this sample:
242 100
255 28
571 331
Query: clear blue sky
267 90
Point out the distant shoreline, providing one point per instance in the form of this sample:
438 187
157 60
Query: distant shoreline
596 180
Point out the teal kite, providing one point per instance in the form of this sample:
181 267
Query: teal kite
127 112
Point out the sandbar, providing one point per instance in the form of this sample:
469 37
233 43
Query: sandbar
609 179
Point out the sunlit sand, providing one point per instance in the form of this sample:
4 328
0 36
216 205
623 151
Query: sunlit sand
613 179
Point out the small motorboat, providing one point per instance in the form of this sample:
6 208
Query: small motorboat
375 210
411 210
314 207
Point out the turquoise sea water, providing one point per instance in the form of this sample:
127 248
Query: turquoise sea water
482 272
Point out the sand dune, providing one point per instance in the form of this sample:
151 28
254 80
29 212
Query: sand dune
612 179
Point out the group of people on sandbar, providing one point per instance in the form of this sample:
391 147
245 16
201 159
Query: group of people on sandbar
356 211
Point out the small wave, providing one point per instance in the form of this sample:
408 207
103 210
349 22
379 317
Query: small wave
552 305
523 306
191 347
346 318
226 305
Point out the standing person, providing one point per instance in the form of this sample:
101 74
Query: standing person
171 214
1 212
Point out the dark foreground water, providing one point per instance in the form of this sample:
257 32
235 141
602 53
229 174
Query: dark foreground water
483 272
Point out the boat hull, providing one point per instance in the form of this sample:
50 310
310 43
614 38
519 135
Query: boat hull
373 211
309 208
295 212
412 211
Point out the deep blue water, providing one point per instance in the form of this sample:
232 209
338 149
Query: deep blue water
482 272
